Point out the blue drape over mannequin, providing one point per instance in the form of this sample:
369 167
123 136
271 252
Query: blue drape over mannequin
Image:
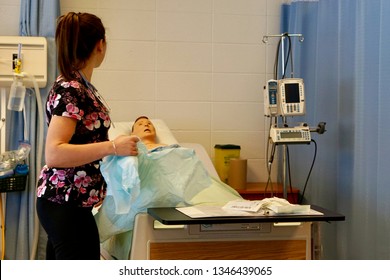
37 18
345 63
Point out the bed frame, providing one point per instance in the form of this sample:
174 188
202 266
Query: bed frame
154 241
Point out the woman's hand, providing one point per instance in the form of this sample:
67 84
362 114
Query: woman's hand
125 145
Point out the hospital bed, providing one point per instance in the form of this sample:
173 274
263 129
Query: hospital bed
154 240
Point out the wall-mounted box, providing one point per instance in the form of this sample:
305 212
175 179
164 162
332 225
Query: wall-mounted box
33 55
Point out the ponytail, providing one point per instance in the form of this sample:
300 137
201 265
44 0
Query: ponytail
76 37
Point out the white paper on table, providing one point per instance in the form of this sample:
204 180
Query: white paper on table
218 211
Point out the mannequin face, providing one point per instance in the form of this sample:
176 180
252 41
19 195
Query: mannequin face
144 129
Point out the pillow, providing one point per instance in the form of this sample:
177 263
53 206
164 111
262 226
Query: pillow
164 134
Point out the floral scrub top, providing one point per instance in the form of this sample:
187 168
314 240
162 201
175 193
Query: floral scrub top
81 186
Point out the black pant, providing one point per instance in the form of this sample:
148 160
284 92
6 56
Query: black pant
72 232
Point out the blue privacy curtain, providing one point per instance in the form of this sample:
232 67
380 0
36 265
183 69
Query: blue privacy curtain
37 18
345 63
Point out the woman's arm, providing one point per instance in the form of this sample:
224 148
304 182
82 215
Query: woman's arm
59 153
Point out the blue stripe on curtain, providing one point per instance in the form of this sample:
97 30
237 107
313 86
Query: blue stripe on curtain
37 18
344 61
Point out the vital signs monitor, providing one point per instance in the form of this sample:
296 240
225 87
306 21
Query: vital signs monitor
291 97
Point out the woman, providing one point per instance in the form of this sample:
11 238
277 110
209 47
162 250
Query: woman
71 183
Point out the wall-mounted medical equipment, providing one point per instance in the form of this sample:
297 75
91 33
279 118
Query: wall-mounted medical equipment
22 54
23 64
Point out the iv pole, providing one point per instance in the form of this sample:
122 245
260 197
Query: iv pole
265 41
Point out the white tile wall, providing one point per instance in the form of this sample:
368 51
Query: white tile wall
184 57
198 64
184 27
184 86
9 14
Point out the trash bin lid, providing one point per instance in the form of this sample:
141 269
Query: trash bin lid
227 146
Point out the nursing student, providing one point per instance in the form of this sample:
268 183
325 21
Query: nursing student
71 184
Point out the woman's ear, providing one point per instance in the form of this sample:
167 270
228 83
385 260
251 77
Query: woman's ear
100 45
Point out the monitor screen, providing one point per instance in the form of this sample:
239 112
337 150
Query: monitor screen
292 92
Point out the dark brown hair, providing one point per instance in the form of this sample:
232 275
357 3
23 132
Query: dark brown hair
76 37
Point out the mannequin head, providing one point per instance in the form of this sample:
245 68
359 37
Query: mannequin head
144 129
